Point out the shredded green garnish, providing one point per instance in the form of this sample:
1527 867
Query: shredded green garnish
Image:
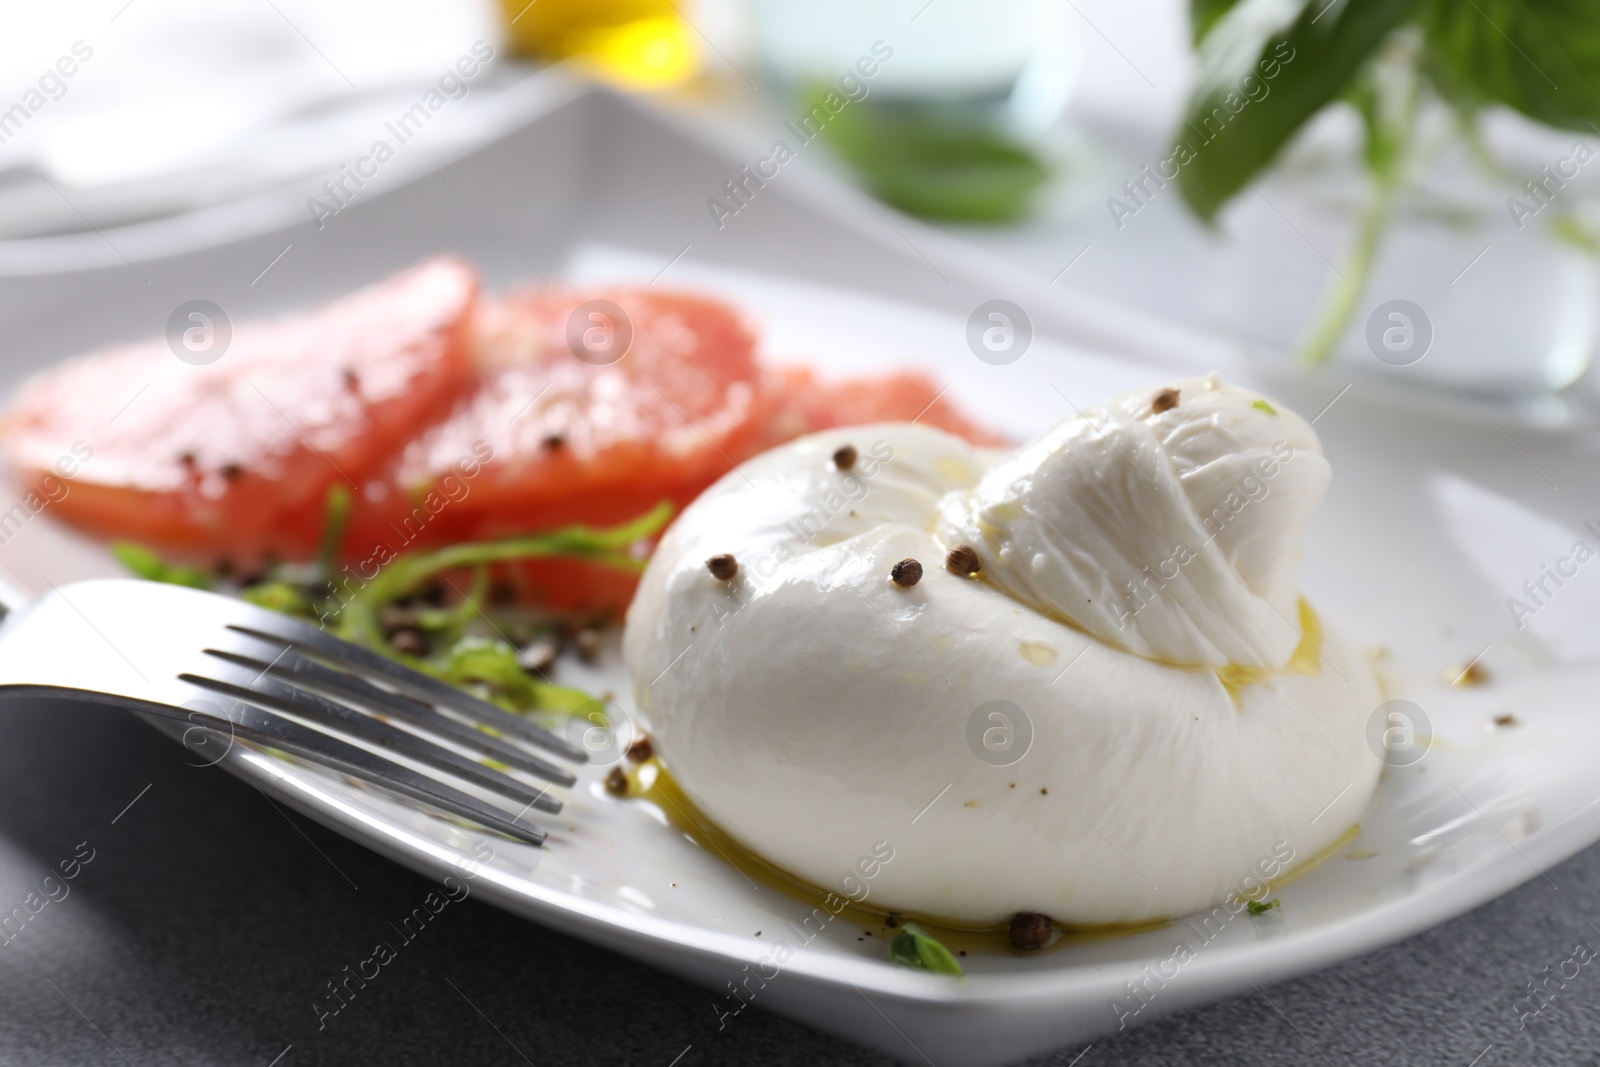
1262 405
1258 908
335 516
488 669
469 647
152 568
915 947
285 598
358 618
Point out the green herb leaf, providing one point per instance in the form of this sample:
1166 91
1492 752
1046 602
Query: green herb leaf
486 667
1256 907
490 667
1576 233
357 617
1384 93
914 947
152 568
1542 58
335 516
477 659
1239 118
282 597
935 161
1205 14
1262 405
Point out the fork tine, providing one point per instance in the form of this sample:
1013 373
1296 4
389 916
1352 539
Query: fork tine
295 668
275 694
259 726
412 683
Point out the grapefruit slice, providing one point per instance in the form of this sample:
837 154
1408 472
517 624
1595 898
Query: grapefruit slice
803 403
592 407
449 417
233 459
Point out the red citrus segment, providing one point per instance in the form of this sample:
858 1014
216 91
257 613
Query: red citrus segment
459 419
805 404
572 440
234 458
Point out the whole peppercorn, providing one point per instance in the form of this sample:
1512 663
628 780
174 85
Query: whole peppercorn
907 572
723 567
1029 930
963 560
586 641
408 642
538 656
845 457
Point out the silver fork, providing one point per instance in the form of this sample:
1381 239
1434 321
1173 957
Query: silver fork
228 667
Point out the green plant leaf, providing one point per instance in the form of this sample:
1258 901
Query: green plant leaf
1575 233
1541 58
1384 93
915 947
1315 54
1205 14
935 161
1261 908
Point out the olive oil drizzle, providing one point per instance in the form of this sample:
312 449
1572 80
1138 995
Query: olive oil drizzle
1306 659
652 783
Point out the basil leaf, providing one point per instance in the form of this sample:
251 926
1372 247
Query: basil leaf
915 947
935 161
1205 14
1251 100
1541 58
1384 95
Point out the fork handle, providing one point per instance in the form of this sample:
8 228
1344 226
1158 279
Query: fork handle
257 726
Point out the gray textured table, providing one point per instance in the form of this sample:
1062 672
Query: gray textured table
209 920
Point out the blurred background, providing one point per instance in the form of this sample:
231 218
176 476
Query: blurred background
1402 190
